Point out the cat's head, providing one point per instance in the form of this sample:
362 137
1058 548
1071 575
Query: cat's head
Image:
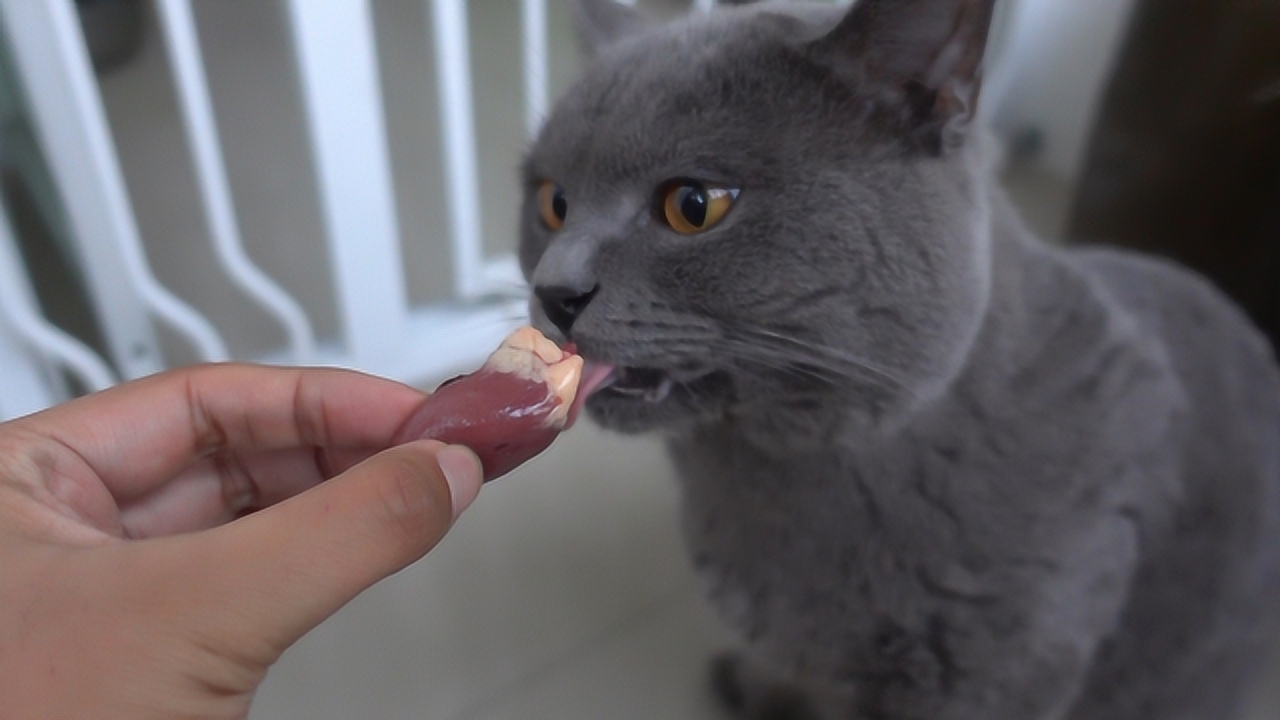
770 215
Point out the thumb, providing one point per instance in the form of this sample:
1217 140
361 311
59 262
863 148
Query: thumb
276 574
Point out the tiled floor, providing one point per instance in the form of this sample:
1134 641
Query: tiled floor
562 595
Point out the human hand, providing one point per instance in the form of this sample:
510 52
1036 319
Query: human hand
129 588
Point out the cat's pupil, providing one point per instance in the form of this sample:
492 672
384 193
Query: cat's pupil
694 205
559 205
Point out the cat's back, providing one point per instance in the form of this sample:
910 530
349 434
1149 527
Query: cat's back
1224 363
1213 582
1227 370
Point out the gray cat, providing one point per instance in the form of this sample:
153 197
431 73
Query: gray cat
931 468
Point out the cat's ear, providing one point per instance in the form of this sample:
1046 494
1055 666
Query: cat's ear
601 23
925 54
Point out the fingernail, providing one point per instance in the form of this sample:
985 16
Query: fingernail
464 474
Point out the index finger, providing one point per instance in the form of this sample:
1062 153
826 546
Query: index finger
139 435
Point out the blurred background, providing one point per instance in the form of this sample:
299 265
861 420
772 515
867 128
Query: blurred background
334 182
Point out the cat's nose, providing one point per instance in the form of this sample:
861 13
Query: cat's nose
564 304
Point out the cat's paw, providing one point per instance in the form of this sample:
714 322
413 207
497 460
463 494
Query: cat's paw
725 673
751 695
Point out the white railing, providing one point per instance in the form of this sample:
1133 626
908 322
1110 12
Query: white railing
335 52
30 384
54 66
179 31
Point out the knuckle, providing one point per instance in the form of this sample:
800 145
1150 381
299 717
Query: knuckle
310 414
239 488
208 436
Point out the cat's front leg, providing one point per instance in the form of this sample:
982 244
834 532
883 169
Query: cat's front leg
1023 654
754 690
1019 652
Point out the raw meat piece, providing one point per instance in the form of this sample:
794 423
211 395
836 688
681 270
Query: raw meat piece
509 410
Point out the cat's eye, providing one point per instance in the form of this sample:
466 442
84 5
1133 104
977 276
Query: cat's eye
552 205
692 207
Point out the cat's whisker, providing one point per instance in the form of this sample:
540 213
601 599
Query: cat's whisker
820 356
765 369
790 368
772 405
759 355
833 353
665 332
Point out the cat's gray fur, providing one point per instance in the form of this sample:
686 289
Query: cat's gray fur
931 468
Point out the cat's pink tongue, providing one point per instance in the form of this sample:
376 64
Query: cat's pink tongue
595 375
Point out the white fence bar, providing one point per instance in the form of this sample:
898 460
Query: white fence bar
704 5
334 44
1042 81
25 385
183 44
21 315
25 388
534 28
1000 67
57 76
453 65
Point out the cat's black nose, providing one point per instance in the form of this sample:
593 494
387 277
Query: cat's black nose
563 304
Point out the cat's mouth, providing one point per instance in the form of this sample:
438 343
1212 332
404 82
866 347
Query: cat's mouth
623 383
648 384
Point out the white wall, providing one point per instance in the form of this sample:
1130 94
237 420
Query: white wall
1052 79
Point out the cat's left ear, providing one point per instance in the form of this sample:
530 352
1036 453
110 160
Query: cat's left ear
602 23
925 55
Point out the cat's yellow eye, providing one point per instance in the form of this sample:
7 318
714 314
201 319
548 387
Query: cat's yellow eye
691 207
552 205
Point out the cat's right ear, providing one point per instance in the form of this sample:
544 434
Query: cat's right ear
601 23
922 56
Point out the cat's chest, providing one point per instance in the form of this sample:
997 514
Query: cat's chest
837 516
832 558
820 522
814 558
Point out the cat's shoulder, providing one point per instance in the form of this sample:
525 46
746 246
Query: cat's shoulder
1152 284
1188 312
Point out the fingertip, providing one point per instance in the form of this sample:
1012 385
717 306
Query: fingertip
464 473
